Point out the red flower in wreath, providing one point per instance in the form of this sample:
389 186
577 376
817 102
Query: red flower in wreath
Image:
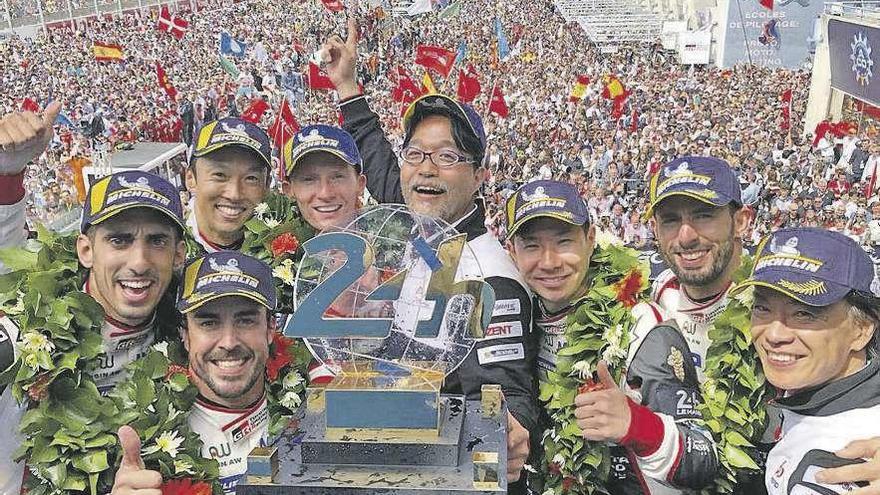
566 483
185 486
628 288
176 368
590 386
554 468
39 390
280 356
284 243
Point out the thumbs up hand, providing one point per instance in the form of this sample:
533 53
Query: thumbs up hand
602 410
132 478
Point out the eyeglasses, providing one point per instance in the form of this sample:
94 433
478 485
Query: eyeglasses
442 158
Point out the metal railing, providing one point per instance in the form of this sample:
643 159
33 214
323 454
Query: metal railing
613 21
47 13
869 8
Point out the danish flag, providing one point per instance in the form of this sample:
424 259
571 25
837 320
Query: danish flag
172 24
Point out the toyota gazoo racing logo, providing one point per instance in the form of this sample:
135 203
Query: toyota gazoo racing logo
862 65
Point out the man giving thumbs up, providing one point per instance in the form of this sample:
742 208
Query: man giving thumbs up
132 478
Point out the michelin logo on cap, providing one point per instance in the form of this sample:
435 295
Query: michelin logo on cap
141 188
788 255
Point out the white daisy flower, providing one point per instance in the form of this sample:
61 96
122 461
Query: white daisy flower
261 210
284 272
168 442
292 381
583 369
291 400
183 467
35 342
272 222
161 347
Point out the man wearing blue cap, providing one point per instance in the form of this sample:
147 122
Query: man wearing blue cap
814 317
323 169
551 240
130 243
439 173
228 300
228 175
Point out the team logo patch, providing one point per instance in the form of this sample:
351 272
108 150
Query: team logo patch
504 330
506 307
862 63
676 361
500 353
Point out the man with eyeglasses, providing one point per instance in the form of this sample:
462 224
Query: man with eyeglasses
439 174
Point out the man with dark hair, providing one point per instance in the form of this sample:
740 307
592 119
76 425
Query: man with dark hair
130 243
228 175
552 240
227 299
439 174
814 318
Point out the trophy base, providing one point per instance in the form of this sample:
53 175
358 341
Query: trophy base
469 456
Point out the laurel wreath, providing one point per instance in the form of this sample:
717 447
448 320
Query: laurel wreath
599 328
69 430
735 390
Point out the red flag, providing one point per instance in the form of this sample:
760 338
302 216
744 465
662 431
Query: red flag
172 24
822 128
579 89
107 51
786 110
634 124
164 83
333 5
435 58
29 105
317 80
285 125
497 105
255 111
406 90
468 85
768 4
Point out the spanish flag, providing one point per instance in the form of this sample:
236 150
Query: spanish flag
579 89
106 51
614 89
428 84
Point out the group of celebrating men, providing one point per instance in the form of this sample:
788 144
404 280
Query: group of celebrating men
814 313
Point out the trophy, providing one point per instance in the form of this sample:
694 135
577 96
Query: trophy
393 303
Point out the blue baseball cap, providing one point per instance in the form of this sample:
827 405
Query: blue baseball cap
437 104
232 131
545 198
707 179
126 190
814 266
321 137
222 274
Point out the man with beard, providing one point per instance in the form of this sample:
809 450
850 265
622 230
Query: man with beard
699 224
439 175
228 175
131 242
551 240
228 300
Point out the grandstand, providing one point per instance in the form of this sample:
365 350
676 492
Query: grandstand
612 22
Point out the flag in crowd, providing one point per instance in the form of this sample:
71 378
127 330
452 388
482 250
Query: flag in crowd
231 46
255 110
503 45
768 4
172 24
285 125
406 90
435 58
428 84
229 67
164 83
468 84
452 10
419 7
580 88
497 104
317 79
105 52
786 110
333 5
29 105
613 89
461 52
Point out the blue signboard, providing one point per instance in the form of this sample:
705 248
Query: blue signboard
853 59
782 37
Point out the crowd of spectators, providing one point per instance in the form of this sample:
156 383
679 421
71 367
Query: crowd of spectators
672 110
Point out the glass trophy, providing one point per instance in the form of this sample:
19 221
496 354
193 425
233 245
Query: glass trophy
392 303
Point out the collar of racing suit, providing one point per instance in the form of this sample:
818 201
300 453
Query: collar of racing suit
859 390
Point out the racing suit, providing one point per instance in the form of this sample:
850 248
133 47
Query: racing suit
507 355
664 447
818 422
229 435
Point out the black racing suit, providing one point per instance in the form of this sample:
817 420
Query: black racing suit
507 355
